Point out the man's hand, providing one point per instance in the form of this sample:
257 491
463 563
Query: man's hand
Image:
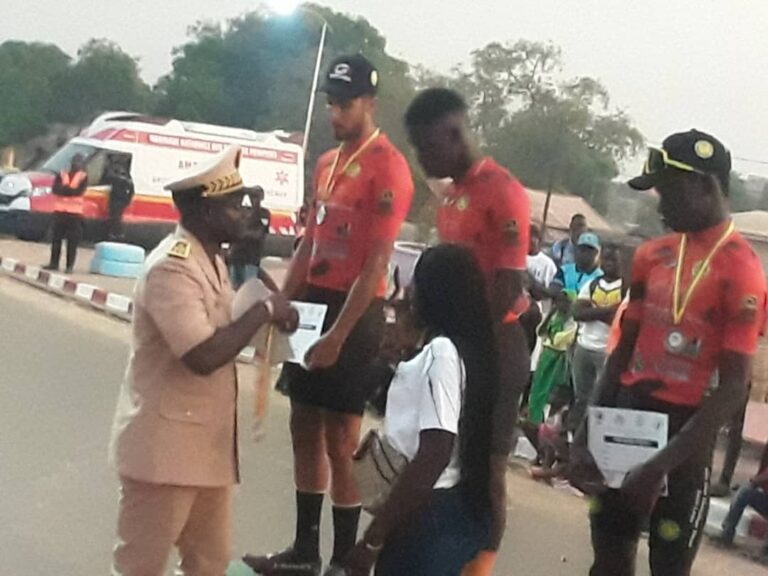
325 352
643 486
284 316
359 561
583 472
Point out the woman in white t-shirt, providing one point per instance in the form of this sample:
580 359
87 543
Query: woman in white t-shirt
438 416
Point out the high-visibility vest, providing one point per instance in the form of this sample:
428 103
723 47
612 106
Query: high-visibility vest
70 204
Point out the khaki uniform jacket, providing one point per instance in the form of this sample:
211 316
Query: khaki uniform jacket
171 425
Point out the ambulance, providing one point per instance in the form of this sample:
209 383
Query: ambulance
158 151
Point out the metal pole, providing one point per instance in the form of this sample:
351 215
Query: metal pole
315 79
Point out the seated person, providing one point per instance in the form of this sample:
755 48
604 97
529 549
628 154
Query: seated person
755 495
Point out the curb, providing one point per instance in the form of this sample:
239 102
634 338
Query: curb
114 304
117 305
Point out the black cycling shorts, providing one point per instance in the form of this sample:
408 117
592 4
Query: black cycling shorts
345 387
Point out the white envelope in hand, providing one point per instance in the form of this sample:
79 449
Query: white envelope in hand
283 347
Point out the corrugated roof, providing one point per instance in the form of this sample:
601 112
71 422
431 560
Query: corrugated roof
562 207
753 224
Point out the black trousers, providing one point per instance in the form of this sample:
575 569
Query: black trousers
676 522
67 227
115 223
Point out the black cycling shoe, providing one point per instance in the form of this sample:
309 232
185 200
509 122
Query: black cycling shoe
285 563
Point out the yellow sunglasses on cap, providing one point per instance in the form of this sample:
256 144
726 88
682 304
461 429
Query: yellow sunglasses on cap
658 159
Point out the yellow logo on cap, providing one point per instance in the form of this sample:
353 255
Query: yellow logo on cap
374 78
704 149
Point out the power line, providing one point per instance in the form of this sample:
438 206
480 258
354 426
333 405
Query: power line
750 160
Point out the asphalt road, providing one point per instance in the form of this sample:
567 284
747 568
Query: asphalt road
60 368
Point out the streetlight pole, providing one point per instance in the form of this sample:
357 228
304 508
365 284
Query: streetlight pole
284 8
312 94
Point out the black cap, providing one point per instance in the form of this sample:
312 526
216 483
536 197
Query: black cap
350 77
699 150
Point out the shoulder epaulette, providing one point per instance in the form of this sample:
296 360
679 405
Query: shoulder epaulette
180 249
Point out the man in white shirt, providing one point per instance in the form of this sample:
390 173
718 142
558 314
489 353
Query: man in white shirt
541 269
594 309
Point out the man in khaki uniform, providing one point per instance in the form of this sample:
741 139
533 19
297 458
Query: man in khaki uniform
174 434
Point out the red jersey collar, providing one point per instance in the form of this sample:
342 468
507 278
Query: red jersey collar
477 168
709 235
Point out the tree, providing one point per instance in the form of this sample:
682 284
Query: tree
28 74
103 78
554 133
739 197
256 72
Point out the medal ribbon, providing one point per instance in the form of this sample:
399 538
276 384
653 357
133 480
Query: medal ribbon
678 308
330 184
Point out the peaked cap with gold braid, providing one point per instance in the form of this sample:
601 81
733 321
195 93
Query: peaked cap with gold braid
217 177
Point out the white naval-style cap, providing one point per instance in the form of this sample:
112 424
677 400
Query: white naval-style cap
217 177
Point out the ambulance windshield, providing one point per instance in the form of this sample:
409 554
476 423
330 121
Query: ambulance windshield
63 157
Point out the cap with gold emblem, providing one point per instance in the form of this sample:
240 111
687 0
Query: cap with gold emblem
350 77
693 151
217 177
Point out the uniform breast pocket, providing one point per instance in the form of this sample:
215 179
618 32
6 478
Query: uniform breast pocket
181 407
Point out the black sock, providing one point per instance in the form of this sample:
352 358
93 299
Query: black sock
308 509
345 521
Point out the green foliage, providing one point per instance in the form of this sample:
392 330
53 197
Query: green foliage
39 84
256 72
740 198
554 133
28 74
103 78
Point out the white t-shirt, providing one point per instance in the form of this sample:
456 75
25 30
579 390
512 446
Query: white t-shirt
427 394
541 267
594 335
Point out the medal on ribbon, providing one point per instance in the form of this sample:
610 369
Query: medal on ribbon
675 343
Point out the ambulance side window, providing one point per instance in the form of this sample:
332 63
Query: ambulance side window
95 168
99 166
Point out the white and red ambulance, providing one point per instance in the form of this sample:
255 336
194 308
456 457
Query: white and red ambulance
158 150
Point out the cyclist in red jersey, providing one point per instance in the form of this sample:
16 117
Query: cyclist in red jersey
487 210
697 305
363 191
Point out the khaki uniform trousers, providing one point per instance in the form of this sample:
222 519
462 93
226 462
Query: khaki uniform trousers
153 518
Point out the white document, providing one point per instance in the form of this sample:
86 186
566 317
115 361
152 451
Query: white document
269 340
621 440
294 347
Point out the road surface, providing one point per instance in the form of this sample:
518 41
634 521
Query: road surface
60 368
